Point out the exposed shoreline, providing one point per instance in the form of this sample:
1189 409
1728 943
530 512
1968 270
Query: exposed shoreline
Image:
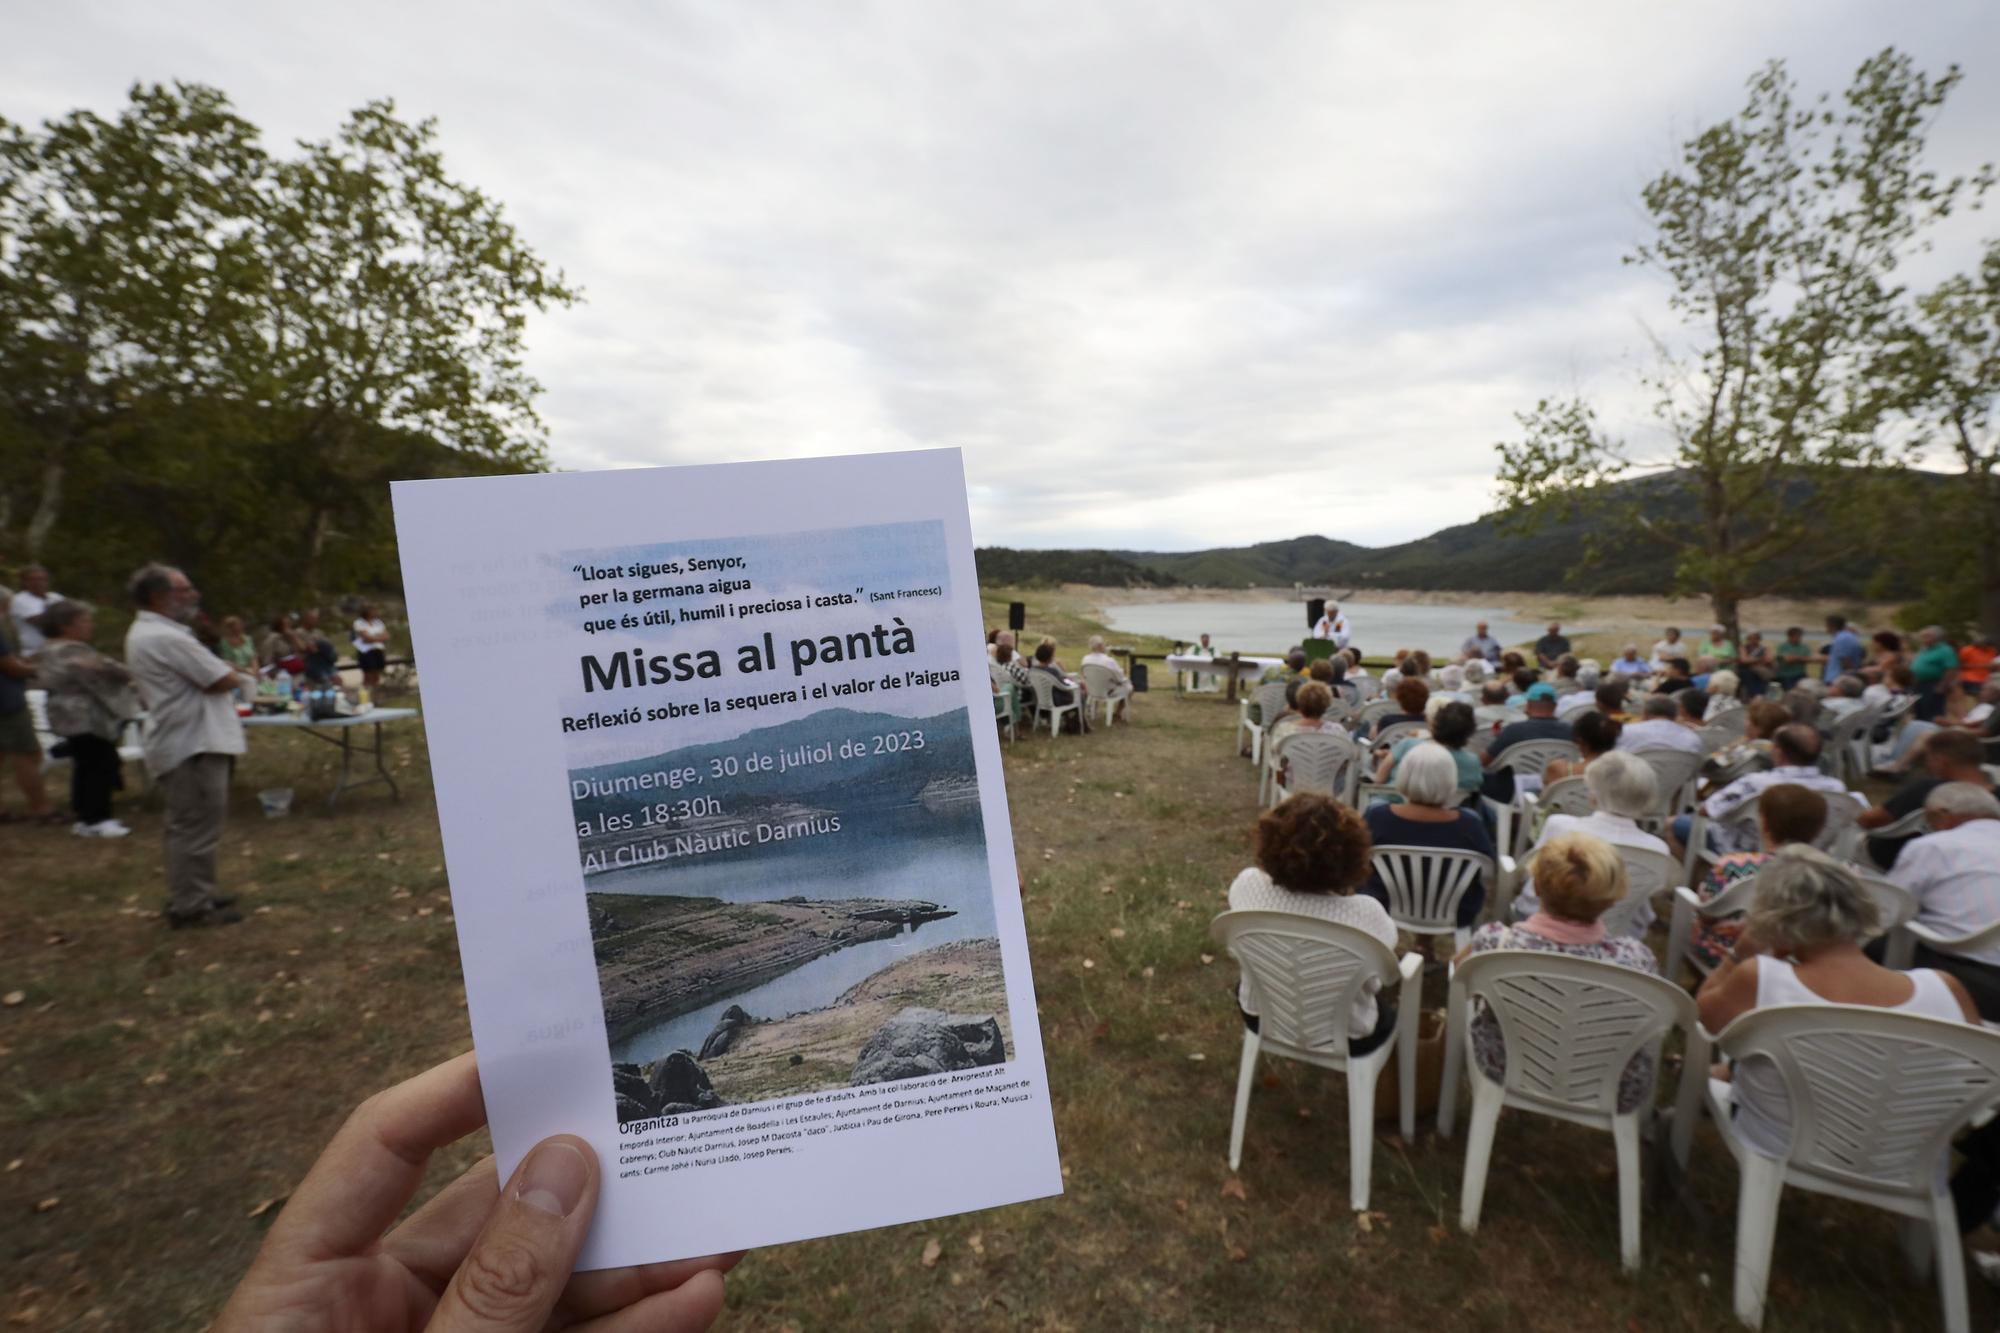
818 1048
660 956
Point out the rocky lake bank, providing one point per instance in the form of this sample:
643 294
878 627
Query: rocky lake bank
660 956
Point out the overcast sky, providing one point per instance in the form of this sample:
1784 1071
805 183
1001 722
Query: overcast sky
1172 276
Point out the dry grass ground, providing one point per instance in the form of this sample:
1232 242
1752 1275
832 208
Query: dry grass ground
158 1091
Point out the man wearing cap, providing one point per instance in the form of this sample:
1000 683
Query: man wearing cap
1541 724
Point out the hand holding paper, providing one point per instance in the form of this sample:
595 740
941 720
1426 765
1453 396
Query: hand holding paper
475 1259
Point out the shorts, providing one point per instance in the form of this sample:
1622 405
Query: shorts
372 659
17 734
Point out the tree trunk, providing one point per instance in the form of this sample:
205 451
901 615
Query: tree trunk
318 526
48 506
1725 605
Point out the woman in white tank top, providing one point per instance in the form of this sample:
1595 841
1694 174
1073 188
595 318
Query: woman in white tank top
1801 944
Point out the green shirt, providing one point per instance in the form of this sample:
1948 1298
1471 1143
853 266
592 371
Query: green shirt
1723 652
1930 665
1792 659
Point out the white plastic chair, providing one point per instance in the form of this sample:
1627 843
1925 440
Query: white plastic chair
1675 772
1876 1098
1647 874
1841 836
1100 682
38 718
1425 883
1902 945
1364 716
1526 759
1304 976
1398 731
1845 751
1368 688
1326 762
1571 1026
1044 686
1003 708
1269 700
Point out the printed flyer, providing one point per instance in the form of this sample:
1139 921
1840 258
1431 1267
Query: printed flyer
728 844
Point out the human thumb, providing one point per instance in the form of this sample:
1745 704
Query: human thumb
517 1268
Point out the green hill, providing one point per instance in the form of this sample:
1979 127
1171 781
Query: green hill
1479 556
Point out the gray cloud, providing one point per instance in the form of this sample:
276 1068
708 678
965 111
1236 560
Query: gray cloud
1169 279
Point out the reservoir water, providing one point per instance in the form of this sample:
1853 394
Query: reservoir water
1269 628
904 854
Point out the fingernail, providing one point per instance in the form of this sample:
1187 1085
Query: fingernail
553 1179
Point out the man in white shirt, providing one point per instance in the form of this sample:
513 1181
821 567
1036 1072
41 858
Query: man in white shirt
1656 728
25 605
1954 874
1629 663
1332 625
191 733
1121 688
1794 759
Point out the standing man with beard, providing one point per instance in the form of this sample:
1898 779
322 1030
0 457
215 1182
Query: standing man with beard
191 734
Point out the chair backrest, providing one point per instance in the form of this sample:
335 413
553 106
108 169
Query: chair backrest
1566 796
1480 742
1847 728
1326 762
1571 1025
1646 873
1893 710
1374 708
1367 688
1531 757
1894 903
1875 1096
1425 883
1270 701
1840 834
1044 686
38 718
1398 731
1098 681
1675 771
1731 720
1913 825
1304 975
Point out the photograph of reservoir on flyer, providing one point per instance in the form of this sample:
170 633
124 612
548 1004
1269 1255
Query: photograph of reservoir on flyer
778 819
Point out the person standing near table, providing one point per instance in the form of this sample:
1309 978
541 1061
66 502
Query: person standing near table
191 733
90 701
371 638
1333 625
1935 666
33 599
1480 645
1843 655
19 745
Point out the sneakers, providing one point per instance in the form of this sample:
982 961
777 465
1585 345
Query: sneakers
109 828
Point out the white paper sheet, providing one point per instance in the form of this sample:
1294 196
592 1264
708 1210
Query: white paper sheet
660 702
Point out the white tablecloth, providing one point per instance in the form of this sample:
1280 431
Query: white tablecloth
1248 668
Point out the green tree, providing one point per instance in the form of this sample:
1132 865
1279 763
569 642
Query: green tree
1778 232
1950 367
124 251
396 302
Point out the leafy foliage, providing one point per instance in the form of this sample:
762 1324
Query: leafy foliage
218 356
1778 232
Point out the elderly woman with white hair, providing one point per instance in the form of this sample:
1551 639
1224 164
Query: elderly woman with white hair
1622 788
1427 779
1121 688
1451 684
1723 689
1801 944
